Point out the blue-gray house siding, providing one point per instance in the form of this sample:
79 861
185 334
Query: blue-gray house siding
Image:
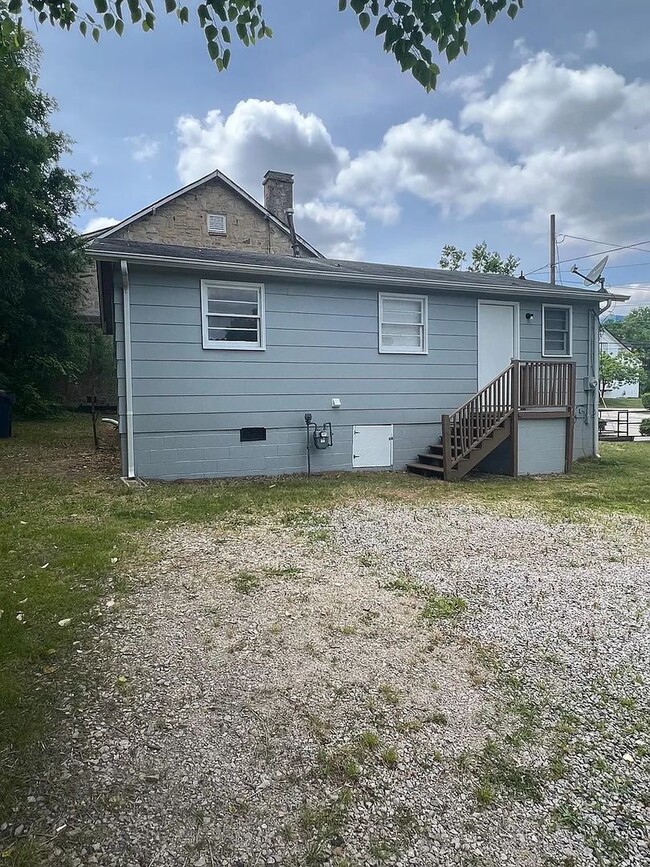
189 403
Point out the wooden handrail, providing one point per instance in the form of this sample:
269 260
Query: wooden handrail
523 384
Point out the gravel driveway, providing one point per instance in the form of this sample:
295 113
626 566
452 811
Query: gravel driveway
379 684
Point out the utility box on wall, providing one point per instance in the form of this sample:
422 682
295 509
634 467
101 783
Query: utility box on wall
372 446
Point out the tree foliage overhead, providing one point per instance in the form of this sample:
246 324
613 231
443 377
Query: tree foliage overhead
483 261
40 253
413 32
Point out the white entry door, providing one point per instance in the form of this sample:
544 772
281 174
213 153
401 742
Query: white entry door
372 445
498 338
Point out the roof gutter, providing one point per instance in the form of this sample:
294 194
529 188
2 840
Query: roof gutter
345 277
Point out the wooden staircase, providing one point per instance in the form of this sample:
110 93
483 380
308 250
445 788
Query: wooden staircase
491 417
432 463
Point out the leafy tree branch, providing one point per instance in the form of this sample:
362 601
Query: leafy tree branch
411 31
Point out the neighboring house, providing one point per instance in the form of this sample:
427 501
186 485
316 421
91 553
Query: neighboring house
221 354
612 346
211 213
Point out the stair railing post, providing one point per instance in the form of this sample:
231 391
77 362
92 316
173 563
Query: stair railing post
446 447
515 400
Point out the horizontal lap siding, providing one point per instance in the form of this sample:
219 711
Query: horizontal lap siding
189 403
320 345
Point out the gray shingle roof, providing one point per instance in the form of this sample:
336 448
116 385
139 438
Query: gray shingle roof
170 255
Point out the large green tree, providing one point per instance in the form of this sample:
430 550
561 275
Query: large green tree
412 31
40 253
483 261
616 370
634 332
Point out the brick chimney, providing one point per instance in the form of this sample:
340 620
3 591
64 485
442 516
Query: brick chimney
278 194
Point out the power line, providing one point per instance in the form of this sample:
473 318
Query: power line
593 255
607 243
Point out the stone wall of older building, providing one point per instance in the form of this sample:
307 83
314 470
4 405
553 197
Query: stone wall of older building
184 221
88 303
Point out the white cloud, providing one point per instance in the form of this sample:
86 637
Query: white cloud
470 87
544 103
260 135
520 49
639 297
143 148
331 228
591 41
94 224
430 159
550 138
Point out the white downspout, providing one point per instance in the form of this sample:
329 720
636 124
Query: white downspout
128 371
600 312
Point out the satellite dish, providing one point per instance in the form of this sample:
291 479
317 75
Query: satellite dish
594 275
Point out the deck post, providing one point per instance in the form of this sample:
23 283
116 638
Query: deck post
570 422
515 400
446 447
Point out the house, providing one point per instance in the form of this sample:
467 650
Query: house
243 363
613 346
210 213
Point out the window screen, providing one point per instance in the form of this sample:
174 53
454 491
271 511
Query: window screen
233 315
557 331
403 323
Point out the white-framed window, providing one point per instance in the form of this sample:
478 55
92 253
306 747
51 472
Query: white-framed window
403 323
216 224
232 315
557 338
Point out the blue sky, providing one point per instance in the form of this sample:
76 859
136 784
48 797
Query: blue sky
547 113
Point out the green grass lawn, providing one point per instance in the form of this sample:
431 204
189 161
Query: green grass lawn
622 403
66 517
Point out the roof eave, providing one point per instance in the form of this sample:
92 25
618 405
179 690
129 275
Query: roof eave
343 277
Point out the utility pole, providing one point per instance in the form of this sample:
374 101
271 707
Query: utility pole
552 250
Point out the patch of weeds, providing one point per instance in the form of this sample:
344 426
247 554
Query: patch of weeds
320 823
304 518
409 725
369 740
485 794
319 726
436 718
22 853
318 536
496 768
442 606
245 582
405 820
389 757
339 765
346 630
476 676
239 807
316 853
404 584
567 816
389 693
382 850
